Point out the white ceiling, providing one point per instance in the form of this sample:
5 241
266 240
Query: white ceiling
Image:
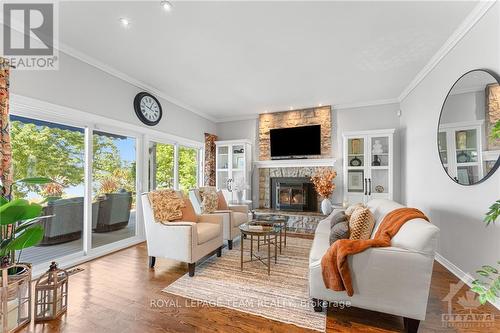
235 59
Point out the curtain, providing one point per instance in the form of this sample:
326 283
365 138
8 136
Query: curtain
209 167
5 146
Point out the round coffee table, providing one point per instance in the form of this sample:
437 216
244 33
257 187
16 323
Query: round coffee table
269 232
275 222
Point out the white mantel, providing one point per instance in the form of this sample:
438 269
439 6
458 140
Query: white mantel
297 163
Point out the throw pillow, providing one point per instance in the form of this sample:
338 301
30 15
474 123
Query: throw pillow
339 231
361 224
188 213
338 218
352 208
221 201
166 204
209 199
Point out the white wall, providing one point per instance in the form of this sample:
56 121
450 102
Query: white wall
354 119
87 88
457 210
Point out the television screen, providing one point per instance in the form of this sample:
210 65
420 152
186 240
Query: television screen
296 141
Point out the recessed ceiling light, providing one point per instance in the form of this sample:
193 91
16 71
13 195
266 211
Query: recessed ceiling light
166 5
124 21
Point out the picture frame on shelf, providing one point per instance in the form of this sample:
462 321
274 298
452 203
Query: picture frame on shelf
355 181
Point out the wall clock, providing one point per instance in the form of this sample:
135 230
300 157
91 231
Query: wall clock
147 108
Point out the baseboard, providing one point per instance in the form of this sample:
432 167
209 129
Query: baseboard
465 277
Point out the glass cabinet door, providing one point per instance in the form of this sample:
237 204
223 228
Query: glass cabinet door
356 152
443 148
238 157
378 182
222 167
467 147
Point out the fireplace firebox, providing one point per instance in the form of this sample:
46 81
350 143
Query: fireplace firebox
293 194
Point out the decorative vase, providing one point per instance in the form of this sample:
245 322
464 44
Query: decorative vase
239 196
326 207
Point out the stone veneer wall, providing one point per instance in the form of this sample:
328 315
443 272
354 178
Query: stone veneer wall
265 175
313 116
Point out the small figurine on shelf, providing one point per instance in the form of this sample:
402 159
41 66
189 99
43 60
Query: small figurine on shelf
377 150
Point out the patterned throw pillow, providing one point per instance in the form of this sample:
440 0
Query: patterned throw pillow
339 231
352 208
361 224
167 205
209 199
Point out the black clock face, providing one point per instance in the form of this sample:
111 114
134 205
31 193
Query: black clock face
147 108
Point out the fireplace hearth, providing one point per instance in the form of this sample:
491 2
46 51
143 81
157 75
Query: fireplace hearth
293 194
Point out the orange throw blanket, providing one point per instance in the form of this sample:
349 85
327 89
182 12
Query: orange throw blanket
334 264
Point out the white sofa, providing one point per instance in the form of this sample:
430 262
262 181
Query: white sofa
232 218
183 241
394 280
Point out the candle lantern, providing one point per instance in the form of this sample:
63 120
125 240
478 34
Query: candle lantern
51 294
15 293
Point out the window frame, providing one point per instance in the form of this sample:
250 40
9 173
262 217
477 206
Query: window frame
45 111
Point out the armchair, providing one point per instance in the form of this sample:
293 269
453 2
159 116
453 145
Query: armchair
232 218
182 241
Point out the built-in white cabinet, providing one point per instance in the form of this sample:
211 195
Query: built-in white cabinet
233 165
460 150
368 158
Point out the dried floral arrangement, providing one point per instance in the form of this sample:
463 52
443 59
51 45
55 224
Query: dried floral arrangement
322 180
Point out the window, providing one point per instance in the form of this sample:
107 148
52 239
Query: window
173 166
161 165
53 150
113 188
188 168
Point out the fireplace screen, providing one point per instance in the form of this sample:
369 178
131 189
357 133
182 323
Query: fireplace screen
295 194
291 196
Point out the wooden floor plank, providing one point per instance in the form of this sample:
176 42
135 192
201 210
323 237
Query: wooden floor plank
115 294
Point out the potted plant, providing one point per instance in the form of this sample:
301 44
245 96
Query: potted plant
53 191
488 287
322 180
19 229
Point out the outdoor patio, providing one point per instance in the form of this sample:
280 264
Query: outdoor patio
40 254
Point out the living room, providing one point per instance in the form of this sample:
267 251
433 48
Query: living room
242 166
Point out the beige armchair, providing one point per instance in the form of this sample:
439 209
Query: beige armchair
232 218
182 241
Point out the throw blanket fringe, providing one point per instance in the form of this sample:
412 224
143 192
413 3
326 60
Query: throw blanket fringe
334 264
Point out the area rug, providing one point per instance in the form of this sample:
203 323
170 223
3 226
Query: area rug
283 296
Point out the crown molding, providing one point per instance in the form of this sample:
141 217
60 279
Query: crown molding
365 104
334 107
470 21
127 78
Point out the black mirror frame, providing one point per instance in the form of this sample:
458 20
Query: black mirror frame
497 163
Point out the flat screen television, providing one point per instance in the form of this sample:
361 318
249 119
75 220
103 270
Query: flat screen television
295 141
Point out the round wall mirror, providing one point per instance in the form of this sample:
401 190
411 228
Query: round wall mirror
469 153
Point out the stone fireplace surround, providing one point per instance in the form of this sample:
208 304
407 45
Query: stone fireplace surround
267 169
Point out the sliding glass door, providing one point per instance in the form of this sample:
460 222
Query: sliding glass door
54 150
113 188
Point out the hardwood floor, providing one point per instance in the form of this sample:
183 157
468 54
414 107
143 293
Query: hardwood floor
119 293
